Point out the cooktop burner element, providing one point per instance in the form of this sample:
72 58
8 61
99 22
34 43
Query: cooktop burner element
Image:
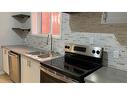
78 61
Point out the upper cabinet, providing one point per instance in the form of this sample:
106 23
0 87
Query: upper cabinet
114 17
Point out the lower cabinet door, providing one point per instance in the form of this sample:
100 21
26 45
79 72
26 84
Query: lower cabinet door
24 70
34 70
30 71
5 60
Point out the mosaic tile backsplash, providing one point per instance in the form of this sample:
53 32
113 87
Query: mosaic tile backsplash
115 55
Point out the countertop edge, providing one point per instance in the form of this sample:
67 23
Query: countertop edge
12 48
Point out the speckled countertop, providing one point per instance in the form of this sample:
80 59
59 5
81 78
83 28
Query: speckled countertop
21 49
102 75
24 50
107 75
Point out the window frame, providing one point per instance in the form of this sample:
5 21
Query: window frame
32 33
42 34
57 36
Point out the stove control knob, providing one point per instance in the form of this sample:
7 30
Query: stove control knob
93 51
67 47
98 52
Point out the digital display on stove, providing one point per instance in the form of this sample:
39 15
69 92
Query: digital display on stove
80 49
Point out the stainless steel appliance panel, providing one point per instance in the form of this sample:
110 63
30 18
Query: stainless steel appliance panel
14 67
84 50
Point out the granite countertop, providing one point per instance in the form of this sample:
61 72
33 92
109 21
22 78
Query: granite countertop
102 75
21 49
24 50
107 75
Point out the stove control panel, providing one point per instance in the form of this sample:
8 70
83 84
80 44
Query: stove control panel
96 51
84 50
68 47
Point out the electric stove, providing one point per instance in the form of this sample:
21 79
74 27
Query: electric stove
78 62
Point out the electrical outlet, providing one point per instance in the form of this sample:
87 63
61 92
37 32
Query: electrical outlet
116 54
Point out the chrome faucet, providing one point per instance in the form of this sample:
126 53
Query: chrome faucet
51 52
51 43
51 47
47 39
47 43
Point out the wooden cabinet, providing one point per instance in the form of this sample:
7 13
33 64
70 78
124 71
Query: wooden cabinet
5 60
30 70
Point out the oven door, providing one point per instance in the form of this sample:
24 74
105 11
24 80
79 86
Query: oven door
46 78
50 76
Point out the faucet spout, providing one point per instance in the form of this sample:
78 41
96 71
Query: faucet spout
51 43
47 39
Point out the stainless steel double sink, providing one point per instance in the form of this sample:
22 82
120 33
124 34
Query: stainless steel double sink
42 54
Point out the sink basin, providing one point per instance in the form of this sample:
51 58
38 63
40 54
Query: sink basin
36 53
44 55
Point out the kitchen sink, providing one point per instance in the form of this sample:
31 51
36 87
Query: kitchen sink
36 53
44 55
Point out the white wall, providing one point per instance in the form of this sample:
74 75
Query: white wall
7 35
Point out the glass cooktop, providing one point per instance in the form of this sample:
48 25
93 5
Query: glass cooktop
74 69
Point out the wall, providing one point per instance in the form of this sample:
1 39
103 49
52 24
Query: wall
107 41
91 22
7 35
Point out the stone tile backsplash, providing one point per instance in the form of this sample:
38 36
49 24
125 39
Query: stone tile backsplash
105 40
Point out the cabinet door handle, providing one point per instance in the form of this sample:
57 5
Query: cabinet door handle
29 63
4 51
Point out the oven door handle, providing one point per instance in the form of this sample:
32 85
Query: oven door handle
48 72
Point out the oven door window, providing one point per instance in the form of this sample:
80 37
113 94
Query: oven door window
46 78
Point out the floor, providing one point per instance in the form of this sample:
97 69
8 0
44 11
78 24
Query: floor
4 78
